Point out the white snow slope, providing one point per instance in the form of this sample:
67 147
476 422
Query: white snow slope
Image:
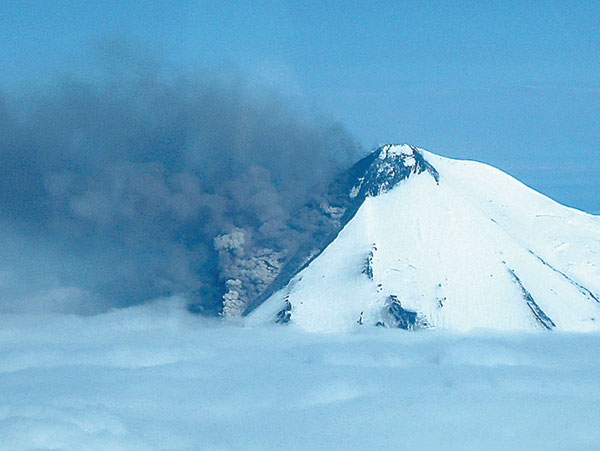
476 249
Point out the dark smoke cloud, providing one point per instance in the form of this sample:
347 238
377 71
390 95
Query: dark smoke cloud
146 182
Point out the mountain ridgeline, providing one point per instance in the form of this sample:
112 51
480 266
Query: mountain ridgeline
328 213
407 239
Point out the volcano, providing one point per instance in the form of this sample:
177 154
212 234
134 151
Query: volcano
426 242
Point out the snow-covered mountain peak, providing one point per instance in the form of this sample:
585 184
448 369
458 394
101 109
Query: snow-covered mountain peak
391 150
430 242
388 166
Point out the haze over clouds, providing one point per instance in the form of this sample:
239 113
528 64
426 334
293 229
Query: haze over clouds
144 180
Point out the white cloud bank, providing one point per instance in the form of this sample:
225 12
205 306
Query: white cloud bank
155 377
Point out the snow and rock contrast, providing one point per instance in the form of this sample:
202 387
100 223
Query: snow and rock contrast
429 242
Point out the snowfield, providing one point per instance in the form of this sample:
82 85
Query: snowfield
459 245
156 377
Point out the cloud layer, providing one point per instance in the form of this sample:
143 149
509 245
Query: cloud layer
155 377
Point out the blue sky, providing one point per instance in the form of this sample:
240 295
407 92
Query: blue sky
514 84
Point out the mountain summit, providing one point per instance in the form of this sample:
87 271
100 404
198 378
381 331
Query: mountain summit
429 242
388 166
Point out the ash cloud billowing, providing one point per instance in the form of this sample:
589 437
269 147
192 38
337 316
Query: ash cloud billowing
139 184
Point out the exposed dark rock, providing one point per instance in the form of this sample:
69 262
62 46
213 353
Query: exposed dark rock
405 319
329 212
583 290
542 319
368 266
285 314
